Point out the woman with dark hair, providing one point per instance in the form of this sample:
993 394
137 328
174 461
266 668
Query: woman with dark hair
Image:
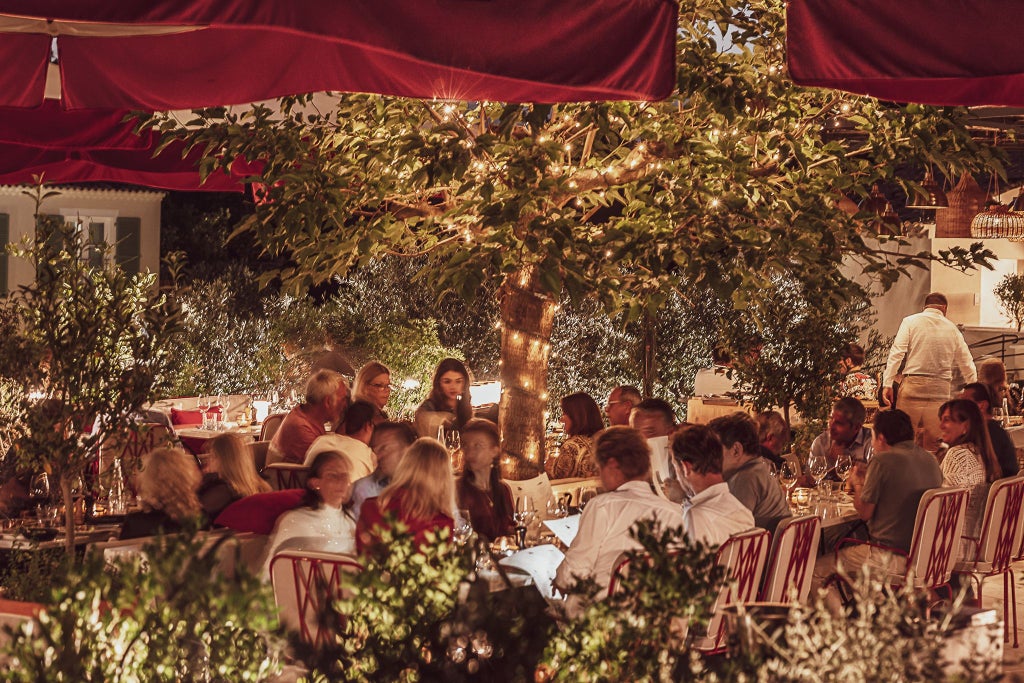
970 461
480 489
449 402
319 523
582 419
421 496
373 385
230 474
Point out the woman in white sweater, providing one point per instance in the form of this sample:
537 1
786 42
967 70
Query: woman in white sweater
970 461
321 523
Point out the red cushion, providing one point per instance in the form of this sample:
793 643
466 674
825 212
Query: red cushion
258 513
189 417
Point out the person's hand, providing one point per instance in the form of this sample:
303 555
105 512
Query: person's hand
887 396
673 490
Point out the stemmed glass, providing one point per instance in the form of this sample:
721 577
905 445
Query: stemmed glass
557 507
788 476
463 527
204 407
818 466
524 514
844 467
587 494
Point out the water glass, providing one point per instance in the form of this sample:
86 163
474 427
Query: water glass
463 527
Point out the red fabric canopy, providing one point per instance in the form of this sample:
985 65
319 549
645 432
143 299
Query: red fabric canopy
95 145
955 52
243 51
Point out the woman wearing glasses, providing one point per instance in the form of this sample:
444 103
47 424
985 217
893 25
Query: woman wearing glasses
373 385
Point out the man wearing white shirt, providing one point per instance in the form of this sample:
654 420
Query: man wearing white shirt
712 514
623 461
354 443
926 349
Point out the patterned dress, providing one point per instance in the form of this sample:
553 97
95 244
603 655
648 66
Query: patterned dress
962 467
575 459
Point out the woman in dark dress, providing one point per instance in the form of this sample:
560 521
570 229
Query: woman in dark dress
167 488
480 489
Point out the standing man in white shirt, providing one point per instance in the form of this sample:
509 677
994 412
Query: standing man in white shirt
623 462
926 349
712 514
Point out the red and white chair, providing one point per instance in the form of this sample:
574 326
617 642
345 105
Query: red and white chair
286 475
1001 533
937 529
743 555
794 550
305 583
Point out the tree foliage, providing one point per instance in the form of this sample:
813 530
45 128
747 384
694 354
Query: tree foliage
91 342
1010 293
731 182
172 617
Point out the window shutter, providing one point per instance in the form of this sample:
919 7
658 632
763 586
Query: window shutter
128 243
5 238
96 238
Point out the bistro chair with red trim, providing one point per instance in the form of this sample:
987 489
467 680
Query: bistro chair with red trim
743 555
794 550
1000 535
305 583
933 548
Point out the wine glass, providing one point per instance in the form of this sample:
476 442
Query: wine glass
524 514
203 403
788 476
818 467
452 439
463 527
844 467
587 494
557 507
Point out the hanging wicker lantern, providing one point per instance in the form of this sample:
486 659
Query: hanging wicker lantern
997 221
965 201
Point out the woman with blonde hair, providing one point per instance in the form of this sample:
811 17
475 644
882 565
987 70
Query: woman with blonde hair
373 385
166 485
421 496
230 474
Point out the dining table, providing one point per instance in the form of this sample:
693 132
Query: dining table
194 437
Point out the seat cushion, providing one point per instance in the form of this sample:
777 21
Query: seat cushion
258 513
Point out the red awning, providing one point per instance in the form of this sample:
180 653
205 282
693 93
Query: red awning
178 54
954 52
95 146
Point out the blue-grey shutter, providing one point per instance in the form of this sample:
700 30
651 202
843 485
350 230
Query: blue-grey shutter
128 244
96 237
5 238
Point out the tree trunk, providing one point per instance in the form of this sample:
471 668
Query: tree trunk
69 514
526 321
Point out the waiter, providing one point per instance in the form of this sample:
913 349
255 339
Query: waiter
926 349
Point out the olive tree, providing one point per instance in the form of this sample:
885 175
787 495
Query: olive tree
87 345
733 181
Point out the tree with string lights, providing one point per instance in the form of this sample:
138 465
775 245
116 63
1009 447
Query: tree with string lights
739 178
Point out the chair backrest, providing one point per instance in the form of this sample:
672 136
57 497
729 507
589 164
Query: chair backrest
286 475
794 551
304 584
1001 527
743 555
271 425
129 450
259 454
537 489
936 541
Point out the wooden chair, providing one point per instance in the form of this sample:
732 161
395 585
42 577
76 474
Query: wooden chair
259 454
305 583
271 425
936 541
743 555
1001 533
286 475
794 550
